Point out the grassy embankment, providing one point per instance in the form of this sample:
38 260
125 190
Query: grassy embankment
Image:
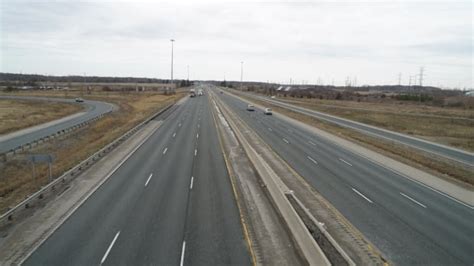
434 165
20 114
448 126
16 181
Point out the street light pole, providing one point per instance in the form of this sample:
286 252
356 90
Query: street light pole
172 47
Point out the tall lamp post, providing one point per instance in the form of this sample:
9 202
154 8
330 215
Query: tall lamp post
172 47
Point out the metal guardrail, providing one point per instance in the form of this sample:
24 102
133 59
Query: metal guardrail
54 186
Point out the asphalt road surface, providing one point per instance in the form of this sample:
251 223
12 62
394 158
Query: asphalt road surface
458 155
170 203
410 223
92 109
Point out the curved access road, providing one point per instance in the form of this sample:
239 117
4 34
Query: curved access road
16 139
461 156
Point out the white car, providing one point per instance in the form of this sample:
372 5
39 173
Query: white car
268 111
250 107
273 97
79 100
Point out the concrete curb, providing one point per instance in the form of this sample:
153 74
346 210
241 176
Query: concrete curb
305 242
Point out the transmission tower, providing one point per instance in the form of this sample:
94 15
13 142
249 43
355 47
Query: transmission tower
422 69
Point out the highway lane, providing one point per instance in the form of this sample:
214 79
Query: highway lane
92 109
171 202
452 153
410 223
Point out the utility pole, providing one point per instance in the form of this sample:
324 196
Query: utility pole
172 48
422 69
188 71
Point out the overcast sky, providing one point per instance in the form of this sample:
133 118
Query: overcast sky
370 41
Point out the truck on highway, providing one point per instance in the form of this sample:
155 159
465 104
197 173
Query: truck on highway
250 107
268 111
192 93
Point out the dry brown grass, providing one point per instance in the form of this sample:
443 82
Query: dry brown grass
19 114
449 126
407 155
16 181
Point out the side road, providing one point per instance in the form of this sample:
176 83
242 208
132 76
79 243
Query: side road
448 189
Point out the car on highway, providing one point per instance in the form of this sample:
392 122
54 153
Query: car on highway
250 107
273 97
267 111
79 100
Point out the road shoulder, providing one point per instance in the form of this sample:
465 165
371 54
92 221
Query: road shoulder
22 239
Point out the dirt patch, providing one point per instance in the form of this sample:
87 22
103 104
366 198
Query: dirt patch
16 178
449 127
20 114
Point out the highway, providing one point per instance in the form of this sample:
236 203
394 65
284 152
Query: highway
92 109
170 203
458 155
410 223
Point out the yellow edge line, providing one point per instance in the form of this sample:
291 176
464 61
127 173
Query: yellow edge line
236 195
336 212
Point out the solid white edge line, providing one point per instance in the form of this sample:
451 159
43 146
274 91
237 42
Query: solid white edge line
110 248
409 178
415 201
148 180
165 150
287 142
68 215
312 143
192 181
342 160
197 135
174 134
183 249
195 152
311 159
362 195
